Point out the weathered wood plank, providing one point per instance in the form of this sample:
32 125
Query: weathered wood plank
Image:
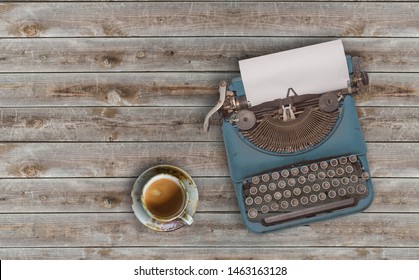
113 195
186 53
167 124
202 1
209 19
123 229
130 159
159 253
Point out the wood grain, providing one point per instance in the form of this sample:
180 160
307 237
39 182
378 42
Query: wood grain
187 53
167 124
209 229
130 159
209 19
245 253
113 195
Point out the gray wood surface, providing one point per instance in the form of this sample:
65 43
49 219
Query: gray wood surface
92 93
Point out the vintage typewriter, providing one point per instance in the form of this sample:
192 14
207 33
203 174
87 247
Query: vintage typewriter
298 159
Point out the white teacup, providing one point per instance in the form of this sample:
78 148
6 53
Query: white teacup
165 199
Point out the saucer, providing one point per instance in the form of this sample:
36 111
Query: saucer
142 215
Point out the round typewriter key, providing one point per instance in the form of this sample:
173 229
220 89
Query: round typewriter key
291 182
249 201
331 173
274 206
352 158
287 193
316 187
284 204
253 190
296 191
272 186
351 190
275 175
332 194
349 169
341 192
343 160
307 189
365 175
285 173
311 177
361 189
354 178
321 175
335 182
313 198
252 213
282 184
263 188
345 180
301 179
304 169
340 171
324 164
334 162
294 171
304 200
258 200
255 180
322 196
267 198
265 178
264 209
314 167
326 185
277 195
294 202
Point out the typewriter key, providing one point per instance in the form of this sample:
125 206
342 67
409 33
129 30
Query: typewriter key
341 192
316 187
331 173
291 182
307 189
252 213
287 193
272 186
296 191
258 200
294 202
324 165
277 195
349 169
351 190
284 204
249 201
340 171
361 189
326 185
274 206
294 171
311 177
285 173
253 190
332 194
304 200
267 198
334 162
282 184
365 175
343 160
301 179
275 175
345 180
335 182
255 180
264 209
314 167
313 198
354 178
265 178
321 175
304 169
263 188
322 196
352 158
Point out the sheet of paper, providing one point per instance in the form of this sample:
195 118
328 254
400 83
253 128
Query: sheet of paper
313 69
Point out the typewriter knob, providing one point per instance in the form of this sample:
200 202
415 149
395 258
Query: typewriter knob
329 102
245 119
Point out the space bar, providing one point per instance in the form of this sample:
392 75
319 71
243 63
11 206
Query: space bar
312 211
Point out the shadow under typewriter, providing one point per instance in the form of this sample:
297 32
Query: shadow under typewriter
295 160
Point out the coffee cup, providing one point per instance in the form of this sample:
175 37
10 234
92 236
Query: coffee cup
165 198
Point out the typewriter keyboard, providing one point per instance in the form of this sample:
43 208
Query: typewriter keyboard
305 191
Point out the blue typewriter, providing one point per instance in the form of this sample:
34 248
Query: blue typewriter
295 160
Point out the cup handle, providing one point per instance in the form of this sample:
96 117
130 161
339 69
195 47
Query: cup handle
187 218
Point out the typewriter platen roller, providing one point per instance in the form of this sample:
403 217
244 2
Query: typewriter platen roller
298 159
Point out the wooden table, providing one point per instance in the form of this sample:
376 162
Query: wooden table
93 93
